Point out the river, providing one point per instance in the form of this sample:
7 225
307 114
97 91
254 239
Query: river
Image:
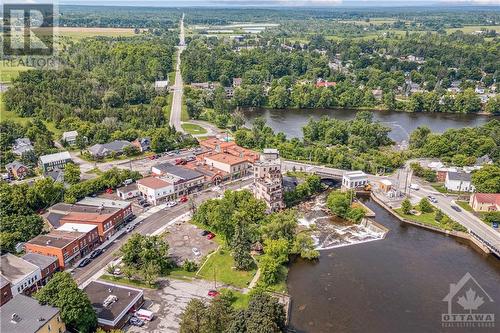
396 284
291 121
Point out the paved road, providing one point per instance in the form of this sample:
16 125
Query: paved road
176 111
148 226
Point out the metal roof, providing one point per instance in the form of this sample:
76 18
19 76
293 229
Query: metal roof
64 155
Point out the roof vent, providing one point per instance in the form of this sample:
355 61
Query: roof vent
48 242
14 318
41 319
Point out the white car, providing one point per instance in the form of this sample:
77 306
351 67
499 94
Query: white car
414 187
216 188
196 252
171 204
130 228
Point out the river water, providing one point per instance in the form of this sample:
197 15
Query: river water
402 124
395 284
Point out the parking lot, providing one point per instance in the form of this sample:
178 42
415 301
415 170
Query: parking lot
182 237
168 303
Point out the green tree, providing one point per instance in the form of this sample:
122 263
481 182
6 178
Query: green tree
265 314
304 246
76 311
146 254
241 248
219 315
278 249
72 173
439 215
425 206
487 179
194 319
339 203
406 206
269 269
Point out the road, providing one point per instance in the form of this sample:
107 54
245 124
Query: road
178 87
147 226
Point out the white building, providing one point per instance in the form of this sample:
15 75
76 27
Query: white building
53 161
459 182
70 137
155 190
21 274
354 179
161 85
128 192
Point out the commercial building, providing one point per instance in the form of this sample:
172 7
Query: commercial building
459 182
184 180
235 166
156 190
107 224
128 191
112 303
24 314
22 275
268 182
485 202
67 246
216 145
53 161
354 179
59 210
48 265
116 147
124 206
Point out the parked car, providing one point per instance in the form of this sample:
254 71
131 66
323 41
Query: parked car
190 158
96 253
145 204
109 191
196 252
117 271
171 204
84 262
213 293
128 181
130 228
179 161
136 321
456 208
143 314
210 235
415 187
204 232
130 218
183 199
170 153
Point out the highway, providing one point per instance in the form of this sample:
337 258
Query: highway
178 87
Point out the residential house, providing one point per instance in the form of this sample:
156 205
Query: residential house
184 180
142 144
48 265
377 93
485 202
113 303
442 172
485 159
17 170
24 314
22 146
155 190
56 174
325 84
352 180
459 182
161 85
268 185
67 246
53 161
237 81
5 290
22 275
116 148
479 90
70 137
209 86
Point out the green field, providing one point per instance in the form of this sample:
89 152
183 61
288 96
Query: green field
220 265
193 128
9 73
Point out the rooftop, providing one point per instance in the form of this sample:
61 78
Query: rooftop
54 219
86 217
69 134
462 176
98 291
102 202
128 188
79 208
225 158
491 198
79 227
113 146
355 174
55 157
180 172
153 182
40 260
30 315
55 239
14 268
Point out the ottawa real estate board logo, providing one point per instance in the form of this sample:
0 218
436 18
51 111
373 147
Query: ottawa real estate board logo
469 305
28 29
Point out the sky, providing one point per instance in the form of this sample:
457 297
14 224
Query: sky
281 3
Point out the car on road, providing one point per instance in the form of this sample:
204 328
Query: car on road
171 204
96 253
432 199
170 153
136 321
210 235
204 232
183 199
414 187
196 252
456 208
130 228
84 262
213 293
190 158
130 218
216 188
145 204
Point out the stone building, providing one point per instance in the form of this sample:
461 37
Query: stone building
268 185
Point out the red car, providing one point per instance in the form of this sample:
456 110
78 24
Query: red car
179 161
213 293
210 235
109 191
183 199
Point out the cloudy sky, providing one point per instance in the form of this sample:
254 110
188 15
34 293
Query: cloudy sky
296 3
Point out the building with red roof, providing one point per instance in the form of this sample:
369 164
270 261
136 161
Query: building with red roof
485 202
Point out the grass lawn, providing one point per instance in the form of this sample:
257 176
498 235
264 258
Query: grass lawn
429 219
128 282
184 112
472 28
240 300
79 32
465 205
441 189
222 264
167 109
179 273
193 129
9 73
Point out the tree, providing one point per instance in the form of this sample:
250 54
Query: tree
339 203
72 173
146 254
425 206
406 206
76 310
219 315
419 136
193 319
278 249
265 314
269 269
487 179
241 248
303 245
439 215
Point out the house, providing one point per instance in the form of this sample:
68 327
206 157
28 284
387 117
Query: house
354 180
485 202
67 246
22 275
70 137
52 161
377 93
5 290
56 174
184 180
22 146
128 192
268 185
458 181
24 314
235 166
48 265
229 92
325 84
485 159
17 170
479 90
209 86
155 190
237 81
116 147
161 85
142 144
385 185
113 303
442 172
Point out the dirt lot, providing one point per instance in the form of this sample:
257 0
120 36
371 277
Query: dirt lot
183 237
